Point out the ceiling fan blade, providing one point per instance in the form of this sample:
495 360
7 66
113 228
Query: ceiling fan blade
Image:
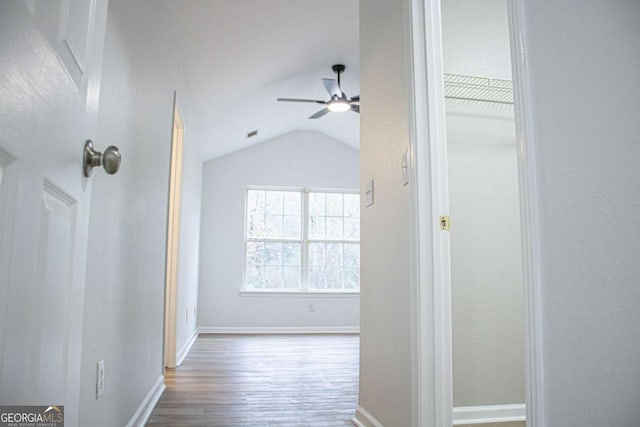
355 98
332 87
355 108
319 113
315 101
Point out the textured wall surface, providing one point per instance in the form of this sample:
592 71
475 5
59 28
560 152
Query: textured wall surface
583 61
297 159
475 38
126 255
486 264
385 343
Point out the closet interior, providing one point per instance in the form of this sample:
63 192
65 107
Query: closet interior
486 264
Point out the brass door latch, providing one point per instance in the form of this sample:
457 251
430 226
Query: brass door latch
445 223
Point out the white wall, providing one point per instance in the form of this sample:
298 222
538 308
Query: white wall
486 265
583 59
385 328
475 38
297 159
126 254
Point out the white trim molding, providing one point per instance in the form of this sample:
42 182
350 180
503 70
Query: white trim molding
142 414
463 415
431 310
184 350
364 419
297 294
529 217
251 330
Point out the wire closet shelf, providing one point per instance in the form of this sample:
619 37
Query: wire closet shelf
479 89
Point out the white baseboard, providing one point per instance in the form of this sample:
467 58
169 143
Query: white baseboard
186 348
279 330
364 419
141 416
488 414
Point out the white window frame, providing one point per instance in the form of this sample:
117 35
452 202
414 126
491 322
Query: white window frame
304 243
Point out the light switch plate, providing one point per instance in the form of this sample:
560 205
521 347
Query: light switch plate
368 194
100 379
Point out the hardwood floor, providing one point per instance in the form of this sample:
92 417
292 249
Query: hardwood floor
263 380
509 424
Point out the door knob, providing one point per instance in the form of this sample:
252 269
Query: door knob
110 160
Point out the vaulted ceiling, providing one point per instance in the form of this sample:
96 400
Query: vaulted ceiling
240 55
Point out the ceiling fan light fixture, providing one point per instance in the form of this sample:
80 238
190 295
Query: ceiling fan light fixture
338 103
338 106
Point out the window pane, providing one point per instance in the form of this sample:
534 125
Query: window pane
317 204
317 254
351 278
352 229
275 202
334 204
255 201
293 203
255 225
273 226
334 278
291 254
273 253
254 278
272 277
317 229
273 216
255 253
334 254
292 227
352 205
317 277
291 276
334 228
351 255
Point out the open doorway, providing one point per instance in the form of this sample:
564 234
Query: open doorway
475 188
279 235
485 235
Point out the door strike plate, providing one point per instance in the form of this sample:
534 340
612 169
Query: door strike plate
445 222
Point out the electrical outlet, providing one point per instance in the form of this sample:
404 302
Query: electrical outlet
311 307
186 315
100 379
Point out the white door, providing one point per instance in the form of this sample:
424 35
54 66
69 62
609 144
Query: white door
50 61
173 239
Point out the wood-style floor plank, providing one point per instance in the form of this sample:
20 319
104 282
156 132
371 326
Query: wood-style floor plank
263 380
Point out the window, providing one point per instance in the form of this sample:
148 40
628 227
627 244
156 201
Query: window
302 240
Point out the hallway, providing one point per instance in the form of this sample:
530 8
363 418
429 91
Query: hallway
263 380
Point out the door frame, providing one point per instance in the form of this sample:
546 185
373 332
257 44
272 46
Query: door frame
431 314
529 217
173 236
432 396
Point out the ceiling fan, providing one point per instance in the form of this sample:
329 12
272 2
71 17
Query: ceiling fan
339 101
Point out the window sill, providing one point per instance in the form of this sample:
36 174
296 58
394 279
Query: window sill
304 294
